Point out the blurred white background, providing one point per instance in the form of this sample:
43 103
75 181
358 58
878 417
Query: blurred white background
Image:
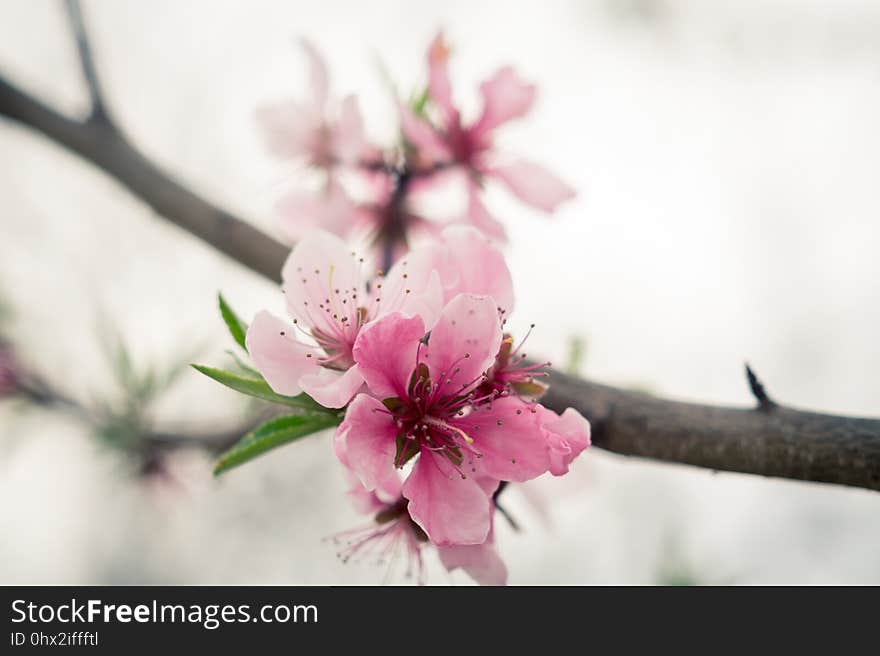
726 156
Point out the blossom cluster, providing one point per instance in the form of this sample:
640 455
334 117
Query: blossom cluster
440 406
373 194
403 335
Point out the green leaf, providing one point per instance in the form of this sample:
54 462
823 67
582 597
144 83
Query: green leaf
272 434
254 385
237 327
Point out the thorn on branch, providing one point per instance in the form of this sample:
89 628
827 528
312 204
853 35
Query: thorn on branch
98 113
757 387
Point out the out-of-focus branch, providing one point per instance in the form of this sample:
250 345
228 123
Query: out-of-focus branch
87 62
40 393
102 144
769 440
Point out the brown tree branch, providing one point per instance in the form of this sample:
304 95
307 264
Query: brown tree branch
102 144
776 441
770 440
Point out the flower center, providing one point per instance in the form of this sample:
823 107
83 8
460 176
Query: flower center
426 419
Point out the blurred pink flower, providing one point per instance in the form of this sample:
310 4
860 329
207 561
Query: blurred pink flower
465 444
323 133
448 141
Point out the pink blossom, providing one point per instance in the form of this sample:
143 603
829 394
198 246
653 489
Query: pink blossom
392 533
327 296
505 97
429 408
317 130
326 292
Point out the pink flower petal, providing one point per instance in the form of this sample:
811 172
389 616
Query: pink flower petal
331 388
319 274
365 443
431 146
567 435
303 211
385 352
508 436
480 561
534 185
289 127
478 215
438 79
412 287
481 267
349 142
449 508
278 355
505 97
465 340
365 501
318 76
372 501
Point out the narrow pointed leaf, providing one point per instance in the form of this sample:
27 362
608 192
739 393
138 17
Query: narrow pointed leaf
274 433
237 327
254 385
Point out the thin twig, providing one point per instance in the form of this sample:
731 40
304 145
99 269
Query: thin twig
98 111
37 391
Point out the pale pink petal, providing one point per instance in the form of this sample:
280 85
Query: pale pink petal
412 286
567 435
449 508
509 438
318 76
438 79
289 128
278 355
365 442
385 352
323 284
349 142
465 340
480 561
480 266
430 144
505 97
478 215
331 388
533 184
372 501
365 501
300 212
